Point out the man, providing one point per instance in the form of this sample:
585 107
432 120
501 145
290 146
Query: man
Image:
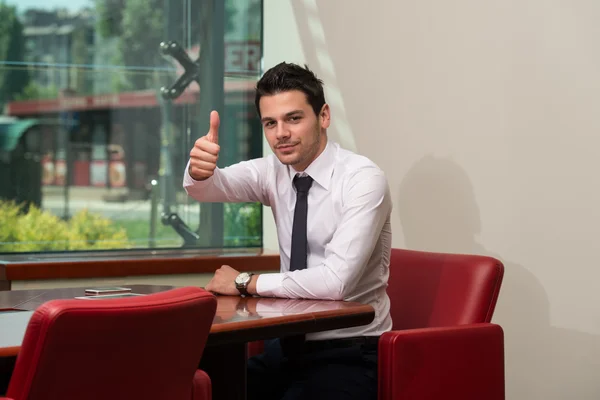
332 211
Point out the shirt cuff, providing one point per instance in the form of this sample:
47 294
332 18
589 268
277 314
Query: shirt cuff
267 284
189 181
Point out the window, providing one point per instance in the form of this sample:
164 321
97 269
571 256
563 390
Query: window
98 120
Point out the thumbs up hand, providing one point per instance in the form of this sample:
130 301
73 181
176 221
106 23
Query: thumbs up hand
205 153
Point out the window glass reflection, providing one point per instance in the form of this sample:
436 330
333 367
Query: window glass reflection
91 152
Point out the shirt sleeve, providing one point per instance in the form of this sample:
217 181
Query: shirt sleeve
241 182
367 207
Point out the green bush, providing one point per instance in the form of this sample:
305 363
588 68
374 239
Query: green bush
97 232
242 223
38 230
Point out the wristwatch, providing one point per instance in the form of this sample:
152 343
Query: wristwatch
242 281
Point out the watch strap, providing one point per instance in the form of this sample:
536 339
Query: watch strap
243 288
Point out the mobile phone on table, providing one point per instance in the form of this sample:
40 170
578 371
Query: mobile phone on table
109 296
106 290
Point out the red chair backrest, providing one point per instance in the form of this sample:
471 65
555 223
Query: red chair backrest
437 289
145 347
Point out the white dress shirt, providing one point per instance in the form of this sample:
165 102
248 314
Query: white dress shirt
348 228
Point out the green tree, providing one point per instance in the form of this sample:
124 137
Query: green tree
14 78
141 32
141 25
35 91
110 16
79 54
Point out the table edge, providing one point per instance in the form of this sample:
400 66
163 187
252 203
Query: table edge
135 266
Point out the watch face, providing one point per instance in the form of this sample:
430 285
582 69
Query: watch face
242 278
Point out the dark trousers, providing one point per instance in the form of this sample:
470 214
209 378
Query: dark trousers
7 364
331 369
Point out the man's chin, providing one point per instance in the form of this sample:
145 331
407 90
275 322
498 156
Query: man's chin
288 159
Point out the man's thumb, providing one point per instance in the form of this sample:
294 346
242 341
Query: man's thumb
213 132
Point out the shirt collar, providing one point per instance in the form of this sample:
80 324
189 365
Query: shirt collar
321 168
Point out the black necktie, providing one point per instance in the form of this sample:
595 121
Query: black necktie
291 346
299 245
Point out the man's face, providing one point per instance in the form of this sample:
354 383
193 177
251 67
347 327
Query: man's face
296 135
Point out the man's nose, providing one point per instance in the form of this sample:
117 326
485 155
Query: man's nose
282 131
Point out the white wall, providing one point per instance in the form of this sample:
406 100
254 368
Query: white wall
486 117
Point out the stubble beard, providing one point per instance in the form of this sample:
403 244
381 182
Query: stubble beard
310 153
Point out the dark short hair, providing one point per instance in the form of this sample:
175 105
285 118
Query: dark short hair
288 76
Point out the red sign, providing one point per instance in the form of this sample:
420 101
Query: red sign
242 58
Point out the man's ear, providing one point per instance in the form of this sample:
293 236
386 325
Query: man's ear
325 116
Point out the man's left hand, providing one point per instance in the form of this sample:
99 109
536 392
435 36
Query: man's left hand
224 281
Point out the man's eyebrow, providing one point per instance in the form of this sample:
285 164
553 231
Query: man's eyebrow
289 114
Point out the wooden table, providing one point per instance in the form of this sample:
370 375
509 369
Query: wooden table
237 321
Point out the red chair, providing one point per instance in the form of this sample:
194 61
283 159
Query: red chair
146 347
442 345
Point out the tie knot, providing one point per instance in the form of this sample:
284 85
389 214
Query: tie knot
303 183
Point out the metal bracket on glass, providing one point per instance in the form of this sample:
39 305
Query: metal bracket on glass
190 238
191 70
